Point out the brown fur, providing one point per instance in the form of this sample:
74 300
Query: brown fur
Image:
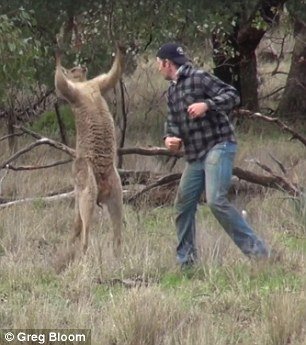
96 179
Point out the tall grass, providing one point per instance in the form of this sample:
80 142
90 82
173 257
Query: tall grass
143 298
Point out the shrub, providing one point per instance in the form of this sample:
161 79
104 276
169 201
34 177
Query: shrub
47 124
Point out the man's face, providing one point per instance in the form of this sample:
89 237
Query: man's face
164 68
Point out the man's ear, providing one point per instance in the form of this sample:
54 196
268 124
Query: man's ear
164 62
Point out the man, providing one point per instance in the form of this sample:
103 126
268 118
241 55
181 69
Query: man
198 104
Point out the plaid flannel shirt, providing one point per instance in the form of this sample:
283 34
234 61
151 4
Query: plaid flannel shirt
200 134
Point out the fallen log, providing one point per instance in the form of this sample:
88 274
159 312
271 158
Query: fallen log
148 189
156 180
275 120
33 199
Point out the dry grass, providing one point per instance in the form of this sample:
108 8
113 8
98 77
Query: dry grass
143 298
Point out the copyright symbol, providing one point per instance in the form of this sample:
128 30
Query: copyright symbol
9 336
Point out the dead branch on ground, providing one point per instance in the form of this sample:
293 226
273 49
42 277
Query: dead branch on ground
155 180
275 120
37 167
43 199
42 141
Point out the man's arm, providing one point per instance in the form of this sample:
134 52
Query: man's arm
221 96
172 139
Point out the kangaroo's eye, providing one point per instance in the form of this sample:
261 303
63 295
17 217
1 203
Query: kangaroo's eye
73 70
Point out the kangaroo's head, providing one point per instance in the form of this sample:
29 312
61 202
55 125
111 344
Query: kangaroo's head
76 74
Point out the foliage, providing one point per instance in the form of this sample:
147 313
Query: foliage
47 124
297 9
88 30
19 52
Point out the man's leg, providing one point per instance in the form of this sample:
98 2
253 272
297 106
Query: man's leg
189 191
218 173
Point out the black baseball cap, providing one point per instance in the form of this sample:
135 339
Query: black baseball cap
173 52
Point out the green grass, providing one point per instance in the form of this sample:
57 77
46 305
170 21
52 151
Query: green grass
294 243
230 299
144 298
47 123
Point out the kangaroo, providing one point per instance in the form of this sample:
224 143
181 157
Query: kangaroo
96 180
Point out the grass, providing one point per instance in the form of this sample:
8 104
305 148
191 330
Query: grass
144 298
225 300
47 124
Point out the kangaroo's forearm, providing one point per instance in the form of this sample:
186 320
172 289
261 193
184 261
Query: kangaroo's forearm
109 80
63 86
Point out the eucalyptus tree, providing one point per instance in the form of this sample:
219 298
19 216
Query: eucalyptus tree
293 101
18 53
88 31
236 30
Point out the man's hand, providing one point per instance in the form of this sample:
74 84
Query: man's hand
173 143
197 109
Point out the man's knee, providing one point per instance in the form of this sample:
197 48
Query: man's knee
216 203
182 202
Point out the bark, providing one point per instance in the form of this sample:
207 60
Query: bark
44 199
248 40
240 70
161 190
124 121
156 189
293 102
275 120
61 124
11 122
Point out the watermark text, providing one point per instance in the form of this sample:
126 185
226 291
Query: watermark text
45 336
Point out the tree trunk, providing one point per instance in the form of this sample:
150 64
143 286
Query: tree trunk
124 122
248 39
241 70
226 68
249 81
11 122
293 102
61 125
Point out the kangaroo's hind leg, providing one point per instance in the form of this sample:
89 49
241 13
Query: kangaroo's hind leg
114 203
77 218
86 196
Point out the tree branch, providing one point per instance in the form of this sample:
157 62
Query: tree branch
44 199
274 181
160 182
30 132
42 141
37 167
272 93
11 135
279 164
277 121
150 151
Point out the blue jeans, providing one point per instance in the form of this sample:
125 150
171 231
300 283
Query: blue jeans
212 174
